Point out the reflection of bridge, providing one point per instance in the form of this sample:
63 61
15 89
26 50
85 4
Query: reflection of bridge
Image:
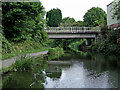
73 32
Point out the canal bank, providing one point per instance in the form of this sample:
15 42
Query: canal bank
8 62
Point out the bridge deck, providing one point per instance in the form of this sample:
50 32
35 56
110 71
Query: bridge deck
64 36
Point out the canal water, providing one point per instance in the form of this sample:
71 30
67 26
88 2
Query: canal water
86 70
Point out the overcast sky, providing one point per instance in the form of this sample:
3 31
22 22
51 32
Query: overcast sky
75 8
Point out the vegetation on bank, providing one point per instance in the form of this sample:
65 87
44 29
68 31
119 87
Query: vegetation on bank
23 20
14 49
24 64
23 28
55 53
109 45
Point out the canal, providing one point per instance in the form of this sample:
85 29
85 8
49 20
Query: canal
86 70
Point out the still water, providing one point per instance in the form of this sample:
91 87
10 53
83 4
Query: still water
88 70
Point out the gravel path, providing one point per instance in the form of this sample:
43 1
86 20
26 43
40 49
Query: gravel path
9 62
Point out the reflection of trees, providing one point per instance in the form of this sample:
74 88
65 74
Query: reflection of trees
55 71
54 75
119 78
19 80
100 64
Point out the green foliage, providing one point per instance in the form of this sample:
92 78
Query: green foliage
54 17
113 36
116 9
27 63
26 74
96 28
6 46
23 26
23 80
23 20
67 21
75 45
78 24
108 46
63 43
23 64
28 46
25 67
104 31
94 17
54 53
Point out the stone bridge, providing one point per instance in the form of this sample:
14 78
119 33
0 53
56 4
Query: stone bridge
73 32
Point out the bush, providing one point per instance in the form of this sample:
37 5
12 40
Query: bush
6 46
26 46
113 36
28 63
23 64
55 53
75 45
104 31
108 46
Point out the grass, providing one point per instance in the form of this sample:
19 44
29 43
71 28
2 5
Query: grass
10 55
25 64
6 70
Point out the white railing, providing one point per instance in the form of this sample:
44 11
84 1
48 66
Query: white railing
73 29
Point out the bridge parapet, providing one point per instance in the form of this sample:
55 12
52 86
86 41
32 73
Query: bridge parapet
73 30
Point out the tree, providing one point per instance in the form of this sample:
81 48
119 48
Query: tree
94 17
23 20
67 21
116 7
54 17
78 24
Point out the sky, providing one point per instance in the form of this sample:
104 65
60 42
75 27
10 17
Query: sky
75 8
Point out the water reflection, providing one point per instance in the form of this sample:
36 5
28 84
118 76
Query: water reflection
93 71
